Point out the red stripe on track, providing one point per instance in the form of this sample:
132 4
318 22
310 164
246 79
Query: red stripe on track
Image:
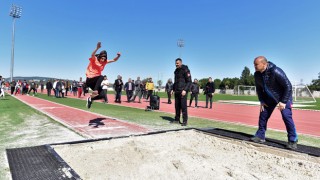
79 119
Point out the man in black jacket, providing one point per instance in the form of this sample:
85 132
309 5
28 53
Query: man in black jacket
168 89
13 86
274 90
195 88
129 88
118 84
49 87
32 87
209 91
181 87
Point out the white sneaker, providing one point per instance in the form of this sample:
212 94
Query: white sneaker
89 102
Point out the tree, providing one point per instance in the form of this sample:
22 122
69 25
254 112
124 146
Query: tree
315 84
234 82
202 82
217 83
222 85
246 77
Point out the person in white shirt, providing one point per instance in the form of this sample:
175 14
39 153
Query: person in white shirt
54 87
104 85
2 86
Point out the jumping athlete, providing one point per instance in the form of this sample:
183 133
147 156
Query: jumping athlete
94 69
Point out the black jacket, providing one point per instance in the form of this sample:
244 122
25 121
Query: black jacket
272 85
126 86
169 87
209 88
195 88
118 85
182 79
49 85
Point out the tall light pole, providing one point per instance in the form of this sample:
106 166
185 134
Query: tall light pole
14 13
180 44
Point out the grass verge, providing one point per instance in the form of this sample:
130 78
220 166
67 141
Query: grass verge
21 126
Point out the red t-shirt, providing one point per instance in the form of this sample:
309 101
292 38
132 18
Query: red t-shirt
95 67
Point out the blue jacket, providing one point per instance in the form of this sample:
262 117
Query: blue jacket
272 85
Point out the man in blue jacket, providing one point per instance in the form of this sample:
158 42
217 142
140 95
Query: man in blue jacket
274 90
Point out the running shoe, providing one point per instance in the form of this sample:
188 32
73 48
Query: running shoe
89 102
292 145
257 140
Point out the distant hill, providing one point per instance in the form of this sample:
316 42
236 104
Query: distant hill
35 78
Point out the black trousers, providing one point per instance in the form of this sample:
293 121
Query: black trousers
118 95
95 84
129 94
195 96
12 90
33 89
169 97
181 106
24 90
149 93
209 98
106 96
49 92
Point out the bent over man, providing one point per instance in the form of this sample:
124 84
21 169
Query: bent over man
274 90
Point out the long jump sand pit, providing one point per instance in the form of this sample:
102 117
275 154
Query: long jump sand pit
185 154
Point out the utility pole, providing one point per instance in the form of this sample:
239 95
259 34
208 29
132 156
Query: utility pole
14 13
180 44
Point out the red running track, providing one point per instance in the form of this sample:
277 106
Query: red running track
88 124
307 121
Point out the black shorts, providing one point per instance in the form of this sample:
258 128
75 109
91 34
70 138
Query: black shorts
94 83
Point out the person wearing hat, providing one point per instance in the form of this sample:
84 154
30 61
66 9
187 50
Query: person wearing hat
93 73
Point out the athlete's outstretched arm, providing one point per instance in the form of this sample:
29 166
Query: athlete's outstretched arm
95 51
116 58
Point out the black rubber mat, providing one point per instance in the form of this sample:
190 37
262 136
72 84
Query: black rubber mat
313 151
43 163
38 163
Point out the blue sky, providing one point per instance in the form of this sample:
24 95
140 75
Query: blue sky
56 38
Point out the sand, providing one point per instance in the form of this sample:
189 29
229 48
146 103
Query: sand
186 154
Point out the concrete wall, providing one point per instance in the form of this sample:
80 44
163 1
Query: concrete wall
316 94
